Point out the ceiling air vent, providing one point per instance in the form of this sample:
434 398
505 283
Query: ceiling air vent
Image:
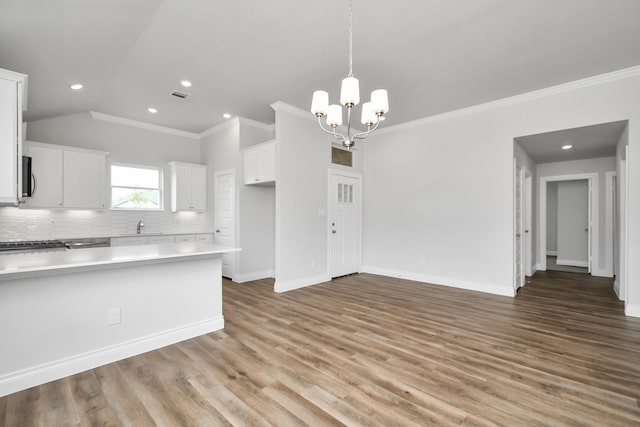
179 94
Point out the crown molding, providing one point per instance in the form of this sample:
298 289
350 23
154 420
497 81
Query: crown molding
234 121
283 106
256 124
512 100
143 125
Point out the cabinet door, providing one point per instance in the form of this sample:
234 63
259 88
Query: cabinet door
128 241
154 240
251 167
185 238
8 141
268 163
181 187
46 168
204 238
83 180
198 189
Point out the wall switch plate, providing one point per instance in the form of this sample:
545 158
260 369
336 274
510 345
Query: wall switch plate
113 316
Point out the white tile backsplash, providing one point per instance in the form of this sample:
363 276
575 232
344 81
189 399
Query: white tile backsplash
43 224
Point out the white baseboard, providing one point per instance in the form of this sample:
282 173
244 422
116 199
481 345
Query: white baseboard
289 285
632 310
617 290
444 281
255 275
572 262
26 378
552 253
600 273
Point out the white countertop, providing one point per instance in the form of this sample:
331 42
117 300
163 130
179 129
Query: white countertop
19 265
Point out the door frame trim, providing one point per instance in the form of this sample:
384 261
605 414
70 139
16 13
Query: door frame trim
233 255
355 175
592 179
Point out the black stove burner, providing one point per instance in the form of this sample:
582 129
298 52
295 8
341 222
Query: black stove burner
34 245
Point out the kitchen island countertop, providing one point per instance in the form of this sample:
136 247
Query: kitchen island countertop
33 264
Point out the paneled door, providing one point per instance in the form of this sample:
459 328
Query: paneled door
224 212
345 223
518 228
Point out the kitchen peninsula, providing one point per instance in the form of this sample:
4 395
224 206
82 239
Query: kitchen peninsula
65 312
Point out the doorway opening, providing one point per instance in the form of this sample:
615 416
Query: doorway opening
575 225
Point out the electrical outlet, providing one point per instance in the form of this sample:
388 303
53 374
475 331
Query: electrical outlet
113 316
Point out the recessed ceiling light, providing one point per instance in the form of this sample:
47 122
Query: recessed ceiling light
185 83
226 115
567 147
76 86
152 110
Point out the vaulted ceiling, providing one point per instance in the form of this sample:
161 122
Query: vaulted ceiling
432 56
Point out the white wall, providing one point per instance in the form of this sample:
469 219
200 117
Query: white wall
255 206
599 166
302 164
552 218
257 209
573 218
438 198
621 248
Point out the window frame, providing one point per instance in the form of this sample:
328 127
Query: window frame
159 169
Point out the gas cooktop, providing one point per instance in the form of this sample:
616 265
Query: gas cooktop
33 245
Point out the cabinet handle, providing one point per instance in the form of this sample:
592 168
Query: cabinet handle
257 179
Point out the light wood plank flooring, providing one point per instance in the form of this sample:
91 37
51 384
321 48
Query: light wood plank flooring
370 350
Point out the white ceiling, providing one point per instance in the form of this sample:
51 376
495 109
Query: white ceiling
433 56
589 142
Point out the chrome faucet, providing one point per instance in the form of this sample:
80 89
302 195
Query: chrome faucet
139 227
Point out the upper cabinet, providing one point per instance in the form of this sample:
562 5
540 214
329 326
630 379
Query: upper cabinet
66 177
83 183
260 164
12 100
188 187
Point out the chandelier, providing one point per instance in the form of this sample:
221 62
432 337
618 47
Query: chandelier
372 111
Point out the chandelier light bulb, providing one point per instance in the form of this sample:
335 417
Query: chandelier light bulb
380 101
368 115
334 116
350 92
320 103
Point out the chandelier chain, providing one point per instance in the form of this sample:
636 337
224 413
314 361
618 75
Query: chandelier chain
350 38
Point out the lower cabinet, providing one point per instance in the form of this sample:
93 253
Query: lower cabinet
161 238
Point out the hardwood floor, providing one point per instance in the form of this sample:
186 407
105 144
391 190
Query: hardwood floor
370 350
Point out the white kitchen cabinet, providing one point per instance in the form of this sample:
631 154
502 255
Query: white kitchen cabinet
129 241
66 177
185 238
204 238
156 240
188 187
260 164
46 167
12 99
83 183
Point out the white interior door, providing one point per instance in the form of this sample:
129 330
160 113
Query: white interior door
589 227
528 224
518 213
224 217
345 223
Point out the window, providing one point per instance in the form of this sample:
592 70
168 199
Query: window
136 187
